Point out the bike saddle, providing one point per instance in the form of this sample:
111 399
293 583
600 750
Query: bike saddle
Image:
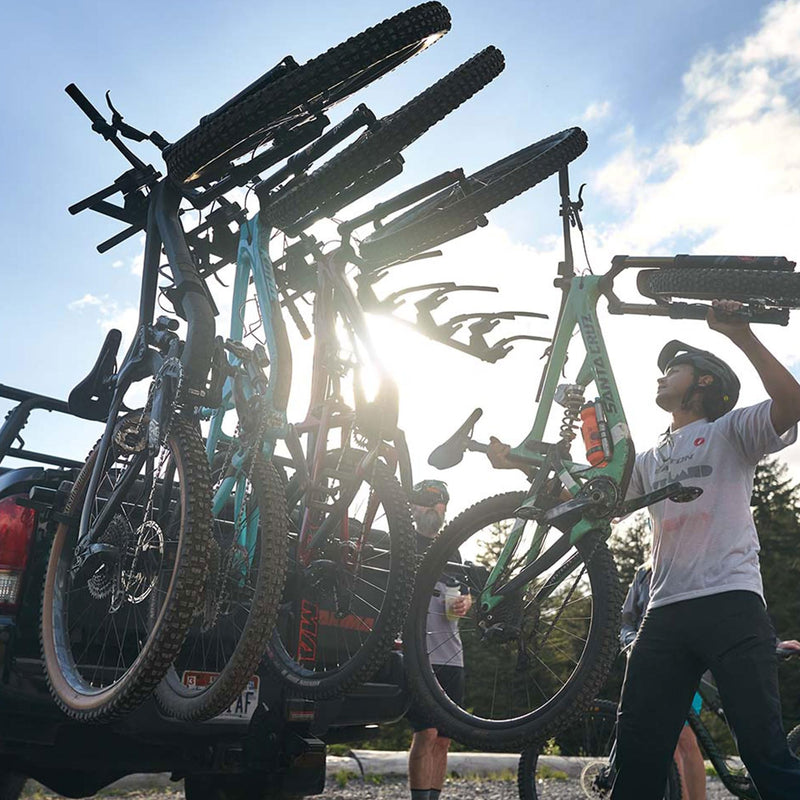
452 451
91 398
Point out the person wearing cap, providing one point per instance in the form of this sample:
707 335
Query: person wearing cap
427 758
707 608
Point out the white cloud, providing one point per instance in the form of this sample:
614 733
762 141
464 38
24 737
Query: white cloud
727 176
597 110
84 302
137 262
724 179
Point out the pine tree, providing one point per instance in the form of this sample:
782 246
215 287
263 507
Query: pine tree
776 511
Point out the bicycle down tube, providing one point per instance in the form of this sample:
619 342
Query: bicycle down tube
579 311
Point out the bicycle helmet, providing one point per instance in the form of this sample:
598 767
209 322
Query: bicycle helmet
705 363
429 493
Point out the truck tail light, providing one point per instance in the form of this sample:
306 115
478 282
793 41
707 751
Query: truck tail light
17 525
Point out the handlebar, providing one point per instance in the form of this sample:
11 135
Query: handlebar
99 125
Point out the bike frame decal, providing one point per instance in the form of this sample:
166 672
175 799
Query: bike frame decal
307 633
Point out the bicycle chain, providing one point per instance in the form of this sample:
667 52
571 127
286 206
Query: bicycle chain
121 588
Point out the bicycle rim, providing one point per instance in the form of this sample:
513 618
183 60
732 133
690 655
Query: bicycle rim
247 565
110 631
547 649
345 600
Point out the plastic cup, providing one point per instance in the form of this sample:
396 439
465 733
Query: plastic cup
451 595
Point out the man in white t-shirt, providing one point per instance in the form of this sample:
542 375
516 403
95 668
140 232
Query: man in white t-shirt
427 757
707 607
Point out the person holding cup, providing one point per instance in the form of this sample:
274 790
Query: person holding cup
427 758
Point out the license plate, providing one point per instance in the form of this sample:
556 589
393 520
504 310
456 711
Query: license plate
241 709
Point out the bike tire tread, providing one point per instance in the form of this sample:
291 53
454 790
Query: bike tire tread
511 735
207 142
395 133
179 609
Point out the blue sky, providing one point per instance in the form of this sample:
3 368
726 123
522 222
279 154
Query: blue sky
692 116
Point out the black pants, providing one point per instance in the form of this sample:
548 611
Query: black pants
730 634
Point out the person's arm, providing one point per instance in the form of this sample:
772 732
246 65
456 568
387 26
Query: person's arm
780 384
627 631
498 454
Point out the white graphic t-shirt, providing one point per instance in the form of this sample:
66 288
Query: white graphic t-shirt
710 544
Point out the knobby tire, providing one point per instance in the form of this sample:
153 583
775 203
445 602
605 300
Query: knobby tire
319 83
591 665
330 680
165 626
778 288
456 211
373 148
264 589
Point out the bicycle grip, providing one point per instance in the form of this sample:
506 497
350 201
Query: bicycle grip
83 103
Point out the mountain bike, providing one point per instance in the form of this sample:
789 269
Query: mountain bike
352 575
541 634
597 732
129 566
351 542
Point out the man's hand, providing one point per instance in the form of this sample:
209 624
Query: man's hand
790 644
497 453
462 605
781 385
720 318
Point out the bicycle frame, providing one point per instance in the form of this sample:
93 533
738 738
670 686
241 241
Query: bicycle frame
326 410
578 311
153 344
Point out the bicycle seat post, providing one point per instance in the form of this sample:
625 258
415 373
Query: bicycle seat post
566 268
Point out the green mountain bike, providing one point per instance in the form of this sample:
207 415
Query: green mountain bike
540 636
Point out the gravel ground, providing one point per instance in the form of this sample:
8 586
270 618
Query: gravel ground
394 788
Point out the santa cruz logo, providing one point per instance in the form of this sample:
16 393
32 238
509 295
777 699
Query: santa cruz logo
700 440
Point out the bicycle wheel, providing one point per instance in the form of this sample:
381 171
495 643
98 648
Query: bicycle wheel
394 133
455 210
775 288
111 629
592 735
537 662
318 84
346 600
247 567
793 740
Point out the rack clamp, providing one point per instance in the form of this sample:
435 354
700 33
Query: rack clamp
486 322
436 298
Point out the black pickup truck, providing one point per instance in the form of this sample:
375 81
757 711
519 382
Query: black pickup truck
268 744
